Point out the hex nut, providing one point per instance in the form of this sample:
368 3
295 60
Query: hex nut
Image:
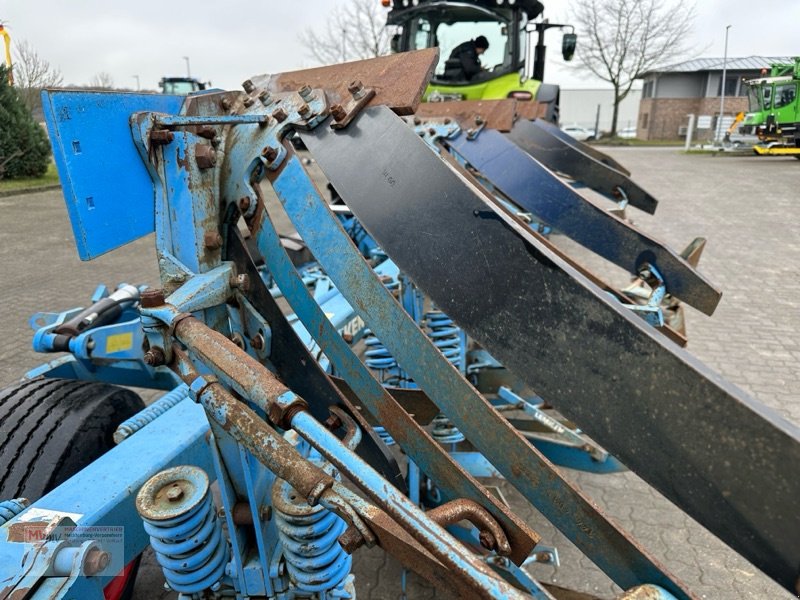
205 156
212 240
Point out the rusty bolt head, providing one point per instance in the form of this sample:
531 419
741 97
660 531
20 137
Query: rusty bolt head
417 121
356 88
159 137
305 92
487 540
240 282
206 131
96 560
432 131
174 493
347 337
248 102
248 86
274 413
257 342
351 540
447 121
269 153
212 240
338 112
304 109
205 156
152 297
279 115
155 357
244 204
265 98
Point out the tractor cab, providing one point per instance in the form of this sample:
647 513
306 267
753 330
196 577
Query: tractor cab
180 86
506 25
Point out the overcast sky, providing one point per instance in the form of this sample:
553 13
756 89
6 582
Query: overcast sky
228 41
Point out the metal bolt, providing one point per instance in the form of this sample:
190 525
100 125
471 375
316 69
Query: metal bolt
417 121
447 121
304 109
356 88
265 98
487 540
174 493
96 560
206 131
347 337
159 137
151 298
432 131
269 153
248 102
225 104
257 342
244 204
248 86
240 282
351 540
305 92
155 357
279 115
338 112
205 156
212 240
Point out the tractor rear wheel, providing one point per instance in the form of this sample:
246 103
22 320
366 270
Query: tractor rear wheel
52 428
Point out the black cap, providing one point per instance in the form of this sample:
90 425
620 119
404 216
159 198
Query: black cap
481 42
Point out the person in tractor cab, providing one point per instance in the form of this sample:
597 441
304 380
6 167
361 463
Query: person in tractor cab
463 63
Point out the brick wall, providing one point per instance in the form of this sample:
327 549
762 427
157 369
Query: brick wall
661 118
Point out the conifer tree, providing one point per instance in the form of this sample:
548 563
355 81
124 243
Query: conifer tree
24 147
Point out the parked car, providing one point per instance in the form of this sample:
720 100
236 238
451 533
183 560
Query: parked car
579 133
628 133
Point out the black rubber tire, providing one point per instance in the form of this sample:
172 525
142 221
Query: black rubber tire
52 428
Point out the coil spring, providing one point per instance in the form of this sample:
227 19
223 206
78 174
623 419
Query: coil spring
151 413
445 432
189 544
308 535
445 335
11 508
385 436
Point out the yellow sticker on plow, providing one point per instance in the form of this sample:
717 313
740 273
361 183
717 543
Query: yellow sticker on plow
119 342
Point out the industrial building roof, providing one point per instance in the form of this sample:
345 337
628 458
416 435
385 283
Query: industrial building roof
746 63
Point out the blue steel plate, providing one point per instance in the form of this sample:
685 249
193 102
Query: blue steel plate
108 191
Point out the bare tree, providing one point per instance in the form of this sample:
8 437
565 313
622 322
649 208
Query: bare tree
102 81
32 73
625 38
353 31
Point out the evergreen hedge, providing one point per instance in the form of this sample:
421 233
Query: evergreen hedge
20 136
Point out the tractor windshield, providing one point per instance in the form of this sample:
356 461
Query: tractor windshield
754 99
448 29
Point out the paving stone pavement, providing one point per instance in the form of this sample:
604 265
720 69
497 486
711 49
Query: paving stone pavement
745 206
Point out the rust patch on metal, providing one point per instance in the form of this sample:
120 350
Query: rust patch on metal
399 80
531 110
496 114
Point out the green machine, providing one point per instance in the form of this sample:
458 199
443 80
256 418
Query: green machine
512 66
774 113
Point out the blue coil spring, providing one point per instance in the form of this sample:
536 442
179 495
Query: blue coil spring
191 548
314 559
11 508
445 335
151 413
445 432
385 436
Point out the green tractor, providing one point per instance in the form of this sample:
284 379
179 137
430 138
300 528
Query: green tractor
507 26
774 113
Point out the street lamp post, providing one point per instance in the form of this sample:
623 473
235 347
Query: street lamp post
722 87
188 70
138 87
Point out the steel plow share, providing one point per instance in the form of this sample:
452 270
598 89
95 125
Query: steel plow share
718 454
